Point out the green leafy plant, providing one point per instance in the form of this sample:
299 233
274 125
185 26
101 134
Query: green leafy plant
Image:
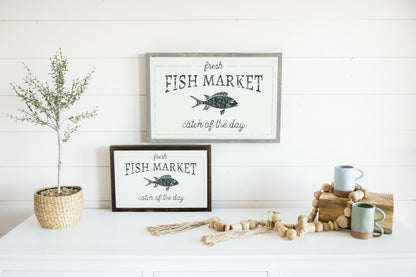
46 104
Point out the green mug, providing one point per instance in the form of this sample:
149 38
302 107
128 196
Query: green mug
363 222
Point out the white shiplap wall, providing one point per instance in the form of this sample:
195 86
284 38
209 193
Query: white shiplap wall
348 92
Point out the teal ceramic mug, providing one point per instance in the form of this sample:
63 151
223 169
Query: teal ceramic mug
363 220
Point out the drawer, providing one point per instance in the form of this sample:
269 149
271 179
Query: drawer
211 274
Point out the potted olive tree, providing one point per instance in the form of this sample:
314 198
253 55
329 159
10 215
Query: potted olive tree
48 105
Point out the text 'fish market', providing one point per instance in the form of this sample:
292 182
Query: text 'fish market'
134 168
249 82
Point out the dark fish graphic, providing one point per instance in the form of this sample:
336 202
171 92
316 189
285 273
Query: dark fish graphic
220 100
164 181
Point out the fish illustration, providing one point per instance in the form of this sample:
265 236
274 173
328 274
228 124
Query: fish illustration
164 181
220 100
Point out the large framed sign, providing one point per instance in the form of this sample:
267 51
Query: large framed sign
214 97
161 178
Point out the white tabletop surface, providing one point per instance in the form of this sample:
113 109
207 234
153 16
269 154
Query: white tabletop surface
103 234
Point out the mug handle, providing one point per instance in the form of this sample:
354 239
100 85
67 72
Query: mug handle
359 177
383 216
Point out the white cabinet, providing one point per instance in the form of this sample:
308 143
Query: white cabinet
105 244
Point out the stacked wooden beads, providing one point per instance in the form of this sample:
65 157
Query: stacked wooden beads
315 206
305 224
344 221
326 187
216 224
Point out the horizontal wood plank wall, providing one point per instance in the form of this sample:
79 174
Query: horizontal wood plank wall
348 92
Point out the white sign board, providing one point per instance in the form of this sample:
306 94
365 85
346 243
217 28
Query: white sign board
213 97
152 177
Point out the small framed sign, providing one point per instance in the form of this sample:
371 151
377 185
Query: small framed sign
161 177
214 97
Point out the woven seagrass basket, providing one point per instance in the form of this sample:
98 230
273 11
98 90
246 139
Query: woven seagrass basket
60 211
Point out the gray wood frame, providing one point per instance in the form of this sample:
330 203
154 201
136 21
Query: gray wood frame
150 136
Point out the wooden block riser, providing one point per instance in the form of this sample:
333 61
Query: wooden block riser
331 207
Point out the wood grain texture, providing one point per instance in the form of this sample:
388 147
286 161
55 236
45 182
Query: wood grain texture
331 207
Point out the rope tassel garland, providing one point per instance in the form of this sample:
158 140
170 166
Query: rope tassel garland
161 230
271 220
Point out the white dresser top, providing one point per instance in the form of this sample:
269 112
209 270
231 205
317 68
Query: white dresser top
110 236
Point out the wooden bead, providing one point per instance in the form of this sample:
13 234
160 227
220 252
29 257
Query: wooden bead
313 212
263 223
303 226
318 226
236 226
302 216
219 226
342 221
326 187
212 222
336 226
317 194
269 218
278 225
276 217
253 223
311 218
291 234
349 204
366 193
315 203
245 225
282 231
326 226
290 226
347 212
331 225
311 227
332 186
303 221
301 233
357 187
227 228
356 196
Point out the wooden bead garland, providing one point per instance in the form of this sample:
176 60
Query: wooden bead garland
306 224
